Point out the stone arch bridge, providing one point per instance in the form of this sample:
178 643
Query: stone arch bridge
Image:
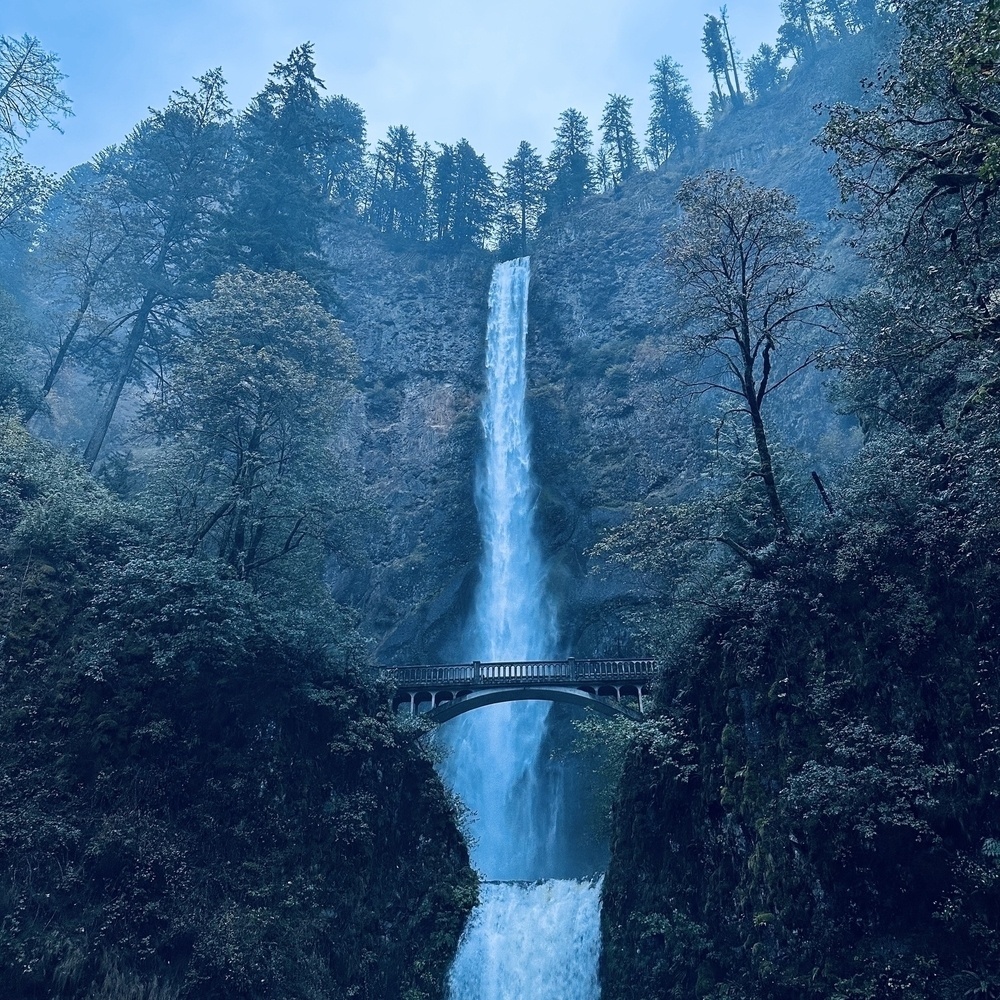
442 692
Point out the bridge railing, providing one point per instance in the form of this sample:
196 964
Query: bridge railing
477 674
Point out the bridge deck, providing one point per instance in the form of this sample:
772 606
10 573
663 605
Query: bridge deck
523 673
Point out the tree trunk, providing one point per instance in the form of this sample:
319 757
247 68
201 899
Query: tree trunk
767 470
57 361
738 96
135 339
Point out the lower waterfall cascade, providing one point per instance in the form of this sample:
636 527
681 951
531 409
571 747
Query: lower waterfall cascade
535 940
533 935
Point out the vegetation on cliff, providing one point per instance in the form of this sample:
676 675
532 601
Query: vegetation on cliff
203 796
204 792
813 811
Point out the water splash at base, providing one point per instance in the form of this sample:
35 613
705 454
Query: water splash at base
531 942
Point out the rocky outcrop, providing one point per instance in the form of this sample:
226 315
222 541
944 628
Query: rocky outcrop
418 319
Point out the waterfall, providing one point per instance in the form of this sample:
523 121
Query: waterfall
532 935
501 957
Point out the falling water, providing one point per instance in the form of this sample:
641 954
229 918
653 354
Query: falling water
531 942
529 937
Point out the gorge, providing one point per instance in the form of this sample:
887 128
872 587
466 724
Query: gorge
318 461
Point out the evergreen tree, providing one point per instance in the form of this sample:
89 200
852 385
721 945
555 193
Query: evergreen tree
717 47
673 122
173 174
602 170
618 138
343 152
426 164
281 203
465 195
522 192
764 72
398 202
732 53
570 163
796 36
841 15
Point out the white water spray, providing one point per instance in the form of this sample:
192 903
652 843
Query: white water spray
501 956
539 940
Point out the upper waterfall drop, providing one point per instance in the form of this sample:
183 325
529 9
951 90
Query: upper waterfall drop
513 617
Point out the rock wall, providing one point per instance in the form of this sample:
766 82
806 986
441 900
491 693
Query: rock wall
418 318
611 427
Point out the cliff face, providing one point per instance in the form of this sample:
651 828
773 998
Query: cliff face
418 319
611 426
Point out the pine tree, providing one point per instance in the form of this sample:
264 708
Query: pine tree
343 152
764 72
523 194
602 170
717 46
796 36
618 138
732 54
465 195
673 122
283 177
570 164
398 202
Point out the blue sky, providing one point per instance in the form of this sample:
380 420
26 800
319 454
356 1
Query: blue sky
492 73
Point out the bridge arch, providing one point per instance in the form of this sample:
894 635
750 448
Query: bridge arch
451 708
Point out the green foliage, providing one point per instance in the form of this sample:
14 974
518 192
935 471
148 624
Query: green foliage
15 381
673 122
343 151
254 399
764 72
465 195
835 837
23 192
834 817
202 797
718 49
618 138
29 95
522 191
281 205
398 202
928 142
570 163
